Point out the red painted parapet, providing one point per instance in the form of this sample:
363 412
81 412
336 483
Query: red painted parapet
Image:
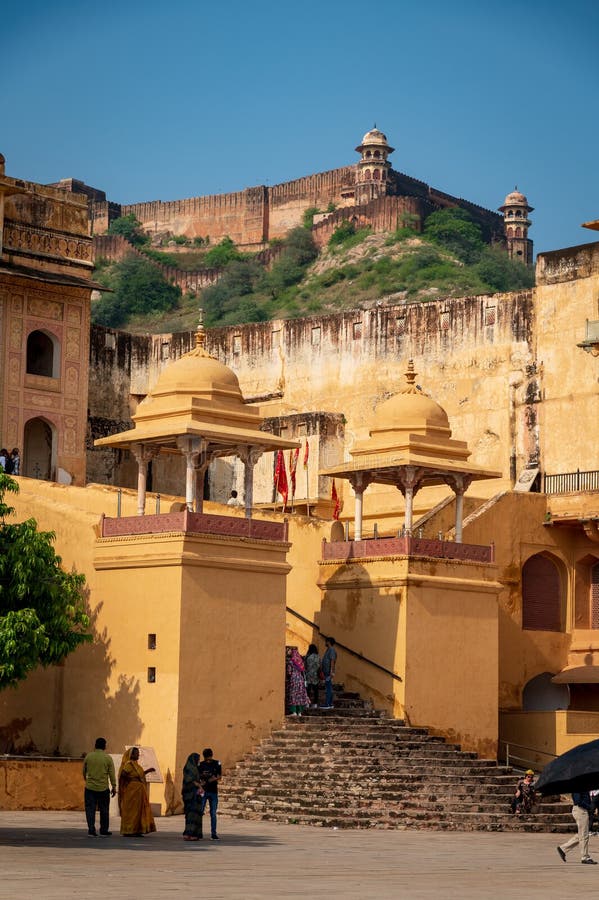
406 546
195 523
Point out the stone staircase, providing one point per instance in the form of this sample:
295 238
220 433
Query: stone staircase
353 767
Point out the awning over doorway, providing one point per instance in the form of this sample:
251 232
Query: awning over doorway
578 675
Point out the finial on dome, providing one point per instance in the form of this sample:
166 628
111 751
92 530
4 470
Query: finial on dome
410 374
200 331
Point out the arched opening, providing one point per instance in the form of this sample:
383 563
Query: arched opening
43 355
518 232
510 213
367 174
368 154
377 154
383 176
510 232
376 175
541 595
540 694
39 449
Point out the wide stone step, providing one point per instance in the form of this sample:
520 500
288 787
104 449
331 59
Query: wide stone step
401 820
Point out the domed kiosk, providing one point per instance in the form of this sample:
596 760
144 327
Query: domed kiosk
196 408
410 447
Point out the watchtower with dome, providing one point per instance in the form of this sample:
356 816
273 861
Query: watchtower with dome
515 211
372 175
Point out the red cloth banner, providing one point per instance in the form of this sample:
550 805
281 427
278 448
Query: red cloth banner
281 478
336 501
306 454
293 456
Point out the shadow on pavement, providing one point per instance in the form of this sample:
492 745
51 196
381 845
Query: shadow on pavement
71 838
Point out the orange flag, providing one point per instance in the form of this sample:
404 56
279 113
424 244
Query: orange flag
336 501
293 456
281 478
306 454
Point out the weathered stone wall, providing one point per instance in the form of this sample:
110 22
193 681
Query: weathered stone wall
256 215
55 784
474 355
382 215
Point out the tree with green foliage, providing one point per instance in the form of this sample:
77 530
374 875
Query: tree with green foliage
222 254
454 229
138 289
340 235
130 228
501 273
308 216
42 608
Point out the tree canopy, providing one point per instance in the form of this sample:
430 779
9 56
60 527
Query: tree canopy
138 289
454 229
42 609
130 228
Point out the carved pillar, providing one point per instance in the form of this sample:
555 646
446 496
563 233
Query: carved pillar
194 449
359 482
410 480
249 456
459 484
143 453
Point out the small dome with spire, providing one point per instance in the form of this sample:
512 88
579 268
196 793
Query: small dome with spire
411 410
375 138
515 198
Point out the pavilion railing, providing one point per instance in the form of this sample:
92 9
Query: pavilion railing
571 482
195 523
407 545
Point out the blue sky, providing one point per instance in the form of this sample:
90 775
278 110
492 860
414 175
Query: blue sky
150 100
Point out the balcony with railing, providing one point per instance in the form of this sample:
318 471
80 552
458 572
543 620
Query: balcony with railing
187 522
406 545
571 482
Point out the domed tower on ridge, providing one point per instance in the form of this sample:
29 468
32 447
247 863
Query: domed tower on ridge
515 211
372 176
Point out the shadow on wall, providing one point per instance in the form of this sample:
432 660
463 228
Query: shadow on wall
113 713
365 619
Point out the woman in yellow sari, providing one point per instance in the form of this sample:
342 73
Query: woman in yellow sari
134 806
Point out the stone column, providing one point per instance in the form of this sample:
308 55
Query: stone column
143 453
194 449
359 482
459 484
249 456
410 479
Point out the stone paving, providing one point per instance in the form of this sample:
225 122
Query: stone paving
48 856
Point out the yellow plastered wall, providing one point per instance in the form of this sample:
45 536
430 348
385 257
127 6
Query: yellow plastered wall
433 623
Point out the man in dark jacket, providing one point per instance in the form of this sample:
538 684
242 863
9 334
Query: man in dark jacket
581 811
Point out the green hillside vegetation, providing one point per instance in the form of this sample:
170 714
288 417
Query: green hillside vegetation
450 259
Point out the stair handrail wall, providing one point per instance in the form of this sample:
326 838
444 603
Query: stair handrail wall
527 762
343 647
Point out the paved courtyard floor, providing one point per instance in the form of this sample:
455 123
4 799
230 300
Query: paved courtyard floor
48 856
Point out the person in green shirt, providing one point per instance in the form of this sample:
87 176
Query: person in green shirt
98 770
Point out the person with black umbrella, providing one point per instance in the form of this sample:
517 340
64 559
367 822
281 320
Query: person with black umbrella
581 810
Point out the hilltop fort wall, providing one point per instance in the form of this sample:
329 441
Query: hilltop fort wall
260 214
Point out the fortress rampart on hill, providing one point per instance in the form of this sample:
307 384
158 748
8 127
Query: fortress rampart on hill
370 192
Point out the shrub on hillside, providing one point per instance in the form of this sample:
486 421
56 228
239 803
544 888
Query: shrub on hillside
130 228
222 254
138 289
455 230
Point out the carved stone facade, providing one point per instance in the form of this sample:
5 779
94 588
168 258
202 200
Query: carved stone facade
45 289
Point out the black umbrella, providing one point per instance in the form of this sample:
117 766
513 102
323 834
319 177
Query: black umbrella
575 770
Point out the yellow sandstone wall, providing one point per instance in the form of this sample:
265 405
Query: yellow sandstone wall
41 784
433 623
